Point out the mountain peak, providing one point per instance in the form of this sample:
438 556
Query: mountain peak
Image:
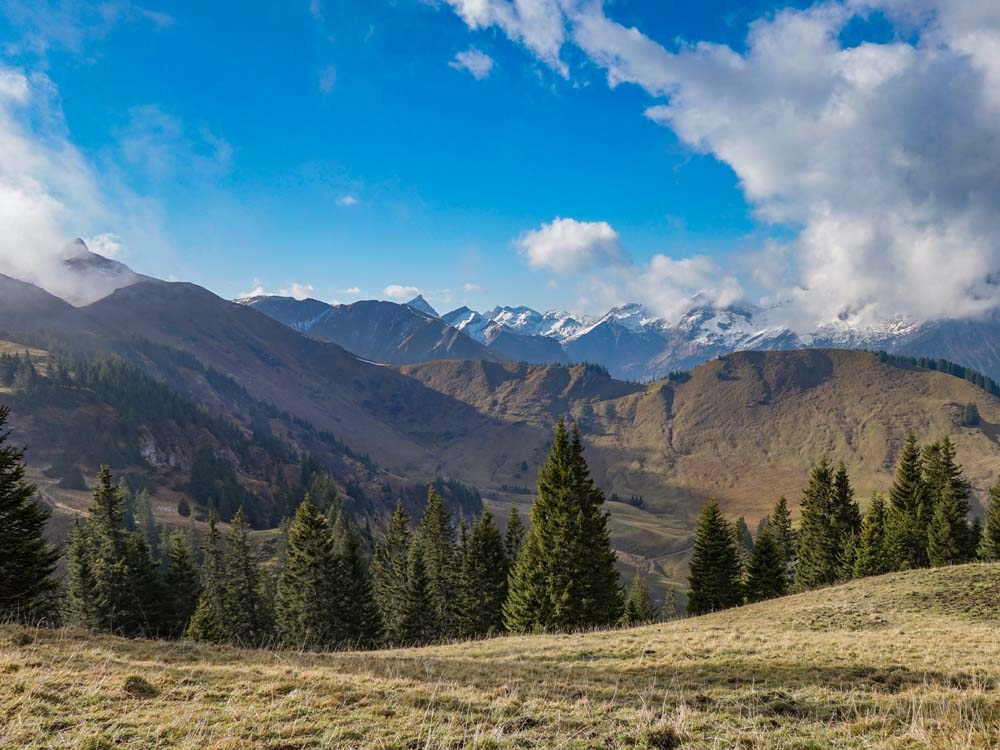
419 304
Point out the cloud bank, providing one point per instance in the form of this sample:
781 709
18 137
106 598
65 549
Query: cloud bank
884 158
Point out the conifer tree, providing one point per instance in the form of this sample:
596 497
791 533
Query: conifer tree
208 621
639 609
975 539
308 609
715 566
873 556
390 568
744 542
361 624
109 562
484 579
989 547
564 577
907 518
245 612
784 535
947 535
27 562
846 512
947 486
81 590
417 622
766 576
819 543
144 581
181 585
435 539
514 537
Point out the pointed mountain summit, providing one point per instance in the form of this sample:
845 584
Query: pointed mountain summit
419 304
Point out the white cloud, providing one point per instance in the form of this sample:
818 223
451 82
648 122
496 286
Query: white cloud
570 246
401 292
353 291
107 244
479 64
295 290
472 287
160 146
538 24
327 79
347 200
883 158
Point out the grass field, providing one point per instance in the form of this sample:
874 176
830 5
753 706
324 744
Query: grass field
905 661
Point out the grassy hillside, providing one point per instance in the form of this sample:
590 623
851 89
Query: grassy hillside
904 661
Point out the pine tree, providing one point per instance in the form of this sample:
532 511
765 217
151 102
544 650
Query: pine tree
873 556
390 568
715 566
418 624
948 531
181 585
819 542
784 535
145 523
744 542
27 562
435 539
907 518
766 576
639 609
565 577
975 539
361 626
245 612
208 621
144 581
308 610
989 547
484 579
514 537
846 512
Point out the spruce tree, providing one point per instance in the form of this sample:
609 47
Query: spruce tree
81 589
907 518
846 512
484 579
389 569
948 532
989 547
418 625
308 611
784 535
435 538
873 557
819 541
715 566
181 585
766 576
514 537
744 542
245 612
114 595
27 562
564 577
361 625
208 621
639 609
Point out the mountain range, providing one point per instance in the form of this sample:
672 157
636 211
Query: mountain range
629 340
743 427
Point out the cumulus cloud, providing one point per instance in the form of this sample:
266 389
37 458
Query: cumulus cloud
347 200
470 287
591 253
479 64
570 246
108 244
295 290
882 157
401 292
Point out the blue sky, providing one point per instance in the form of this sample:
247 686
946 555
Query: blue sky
340 145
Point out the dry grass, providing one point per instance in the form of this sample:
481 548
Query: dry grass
906 661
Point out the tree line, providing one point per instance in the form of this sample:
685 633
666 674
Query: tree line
329 586
925 522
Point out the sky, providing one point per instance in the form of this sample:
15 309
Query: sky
837 158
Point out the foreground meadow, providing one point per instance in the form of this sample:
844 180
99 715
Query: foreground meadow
909 660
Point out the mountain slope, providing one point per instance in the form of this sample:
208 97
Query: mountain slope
376 331
869 664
